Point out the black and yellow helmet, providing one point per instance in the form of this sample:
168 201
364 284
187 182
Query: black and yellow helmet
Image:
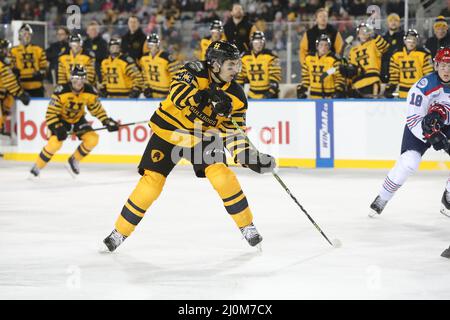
115 41
411 33
258 35
216 25
221 51
153 38
323 37
78 71
76 37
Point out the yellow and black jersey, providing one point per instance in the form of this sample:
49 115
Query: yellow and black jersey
29 60
66 61
259 70
367 57
70 107
322 76
406 68
204 44
158 72
183 119
8 81
120 75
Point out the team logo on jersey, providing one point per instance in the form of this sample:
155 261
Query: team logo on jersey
157 155
422 83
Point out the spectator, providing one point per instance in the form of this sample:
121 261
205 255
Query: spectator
394 36
57 49
238 29
441 36
307 44
96 45
133 41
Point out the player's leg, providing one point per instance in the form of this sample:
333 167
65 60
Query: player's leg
225 183
445 200
406 165
156 164
89 140
53 145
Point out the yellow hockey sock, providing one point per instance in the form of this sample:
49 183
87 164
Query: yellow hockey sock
147 190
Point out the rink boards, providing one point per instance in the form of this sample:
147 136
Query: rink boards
306 133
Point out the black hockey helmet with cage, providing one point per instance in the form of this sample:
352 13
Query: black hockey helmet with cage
153 38
25 27
258 35
411 33
364 26
78 71
323 37
75 37
114 42
221 51
216 25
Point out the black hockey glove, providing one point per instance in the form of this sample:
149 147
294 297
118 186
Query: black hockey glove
256 161
388 92
38 75
432 124
301 92
222 104
134 94
103 92
148 93
339 94
439 141
24 97
111 124
59 130
273 91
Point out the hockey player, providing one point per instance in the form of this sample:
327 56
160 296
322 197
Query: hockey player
30 62
321 73
408 65
120 75
158 69
202 98
76 56
427 124
9 86
261 68
366 61
65 113
216 30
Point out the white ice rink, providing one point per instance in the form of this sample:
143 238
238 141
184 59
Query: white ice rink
187 247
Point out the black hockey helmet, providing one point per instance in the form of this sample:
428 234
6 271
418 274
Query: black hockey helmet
323 37
25 27
75 37
5 44
221 51
258 35
216 25
411 33
364 26
78 71
115 41
153 38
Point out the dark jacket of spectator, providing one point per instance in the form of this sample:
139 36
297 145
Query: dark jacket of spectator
395 41
239 34
53 52
133 44
433 44
99 48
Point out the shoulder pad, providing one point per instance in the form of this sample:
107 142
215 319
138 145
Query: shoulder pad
167 56
428 82
62 89
195 66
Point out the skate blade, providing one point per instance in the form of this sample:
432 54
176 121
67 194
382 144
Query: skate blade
32 177
103 249
445 212
72 174
373 214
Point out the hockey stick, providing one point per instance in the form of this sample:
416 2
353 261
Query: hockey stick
336 242
104 128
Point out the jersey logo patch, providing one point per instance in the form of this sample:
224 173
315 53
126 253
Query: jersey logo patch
422 83
157 155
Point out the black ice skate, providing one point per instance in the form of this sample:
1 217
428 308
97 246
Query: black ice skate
445 208
114 240
446 253
73 167
377 206
34 172
251 235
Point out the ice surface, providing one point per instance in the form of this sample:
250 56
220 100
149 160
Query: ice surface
188 248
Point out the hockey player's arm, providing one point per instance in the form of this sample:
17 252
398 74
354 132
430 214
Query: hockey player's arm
90 70
381 44
62 72
54 109
184 91
135 75
433 122
417 109
242 76
274 76
96 109
303 86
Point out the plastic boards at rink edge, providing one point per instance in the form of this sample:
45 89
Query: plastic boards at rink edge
307 133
